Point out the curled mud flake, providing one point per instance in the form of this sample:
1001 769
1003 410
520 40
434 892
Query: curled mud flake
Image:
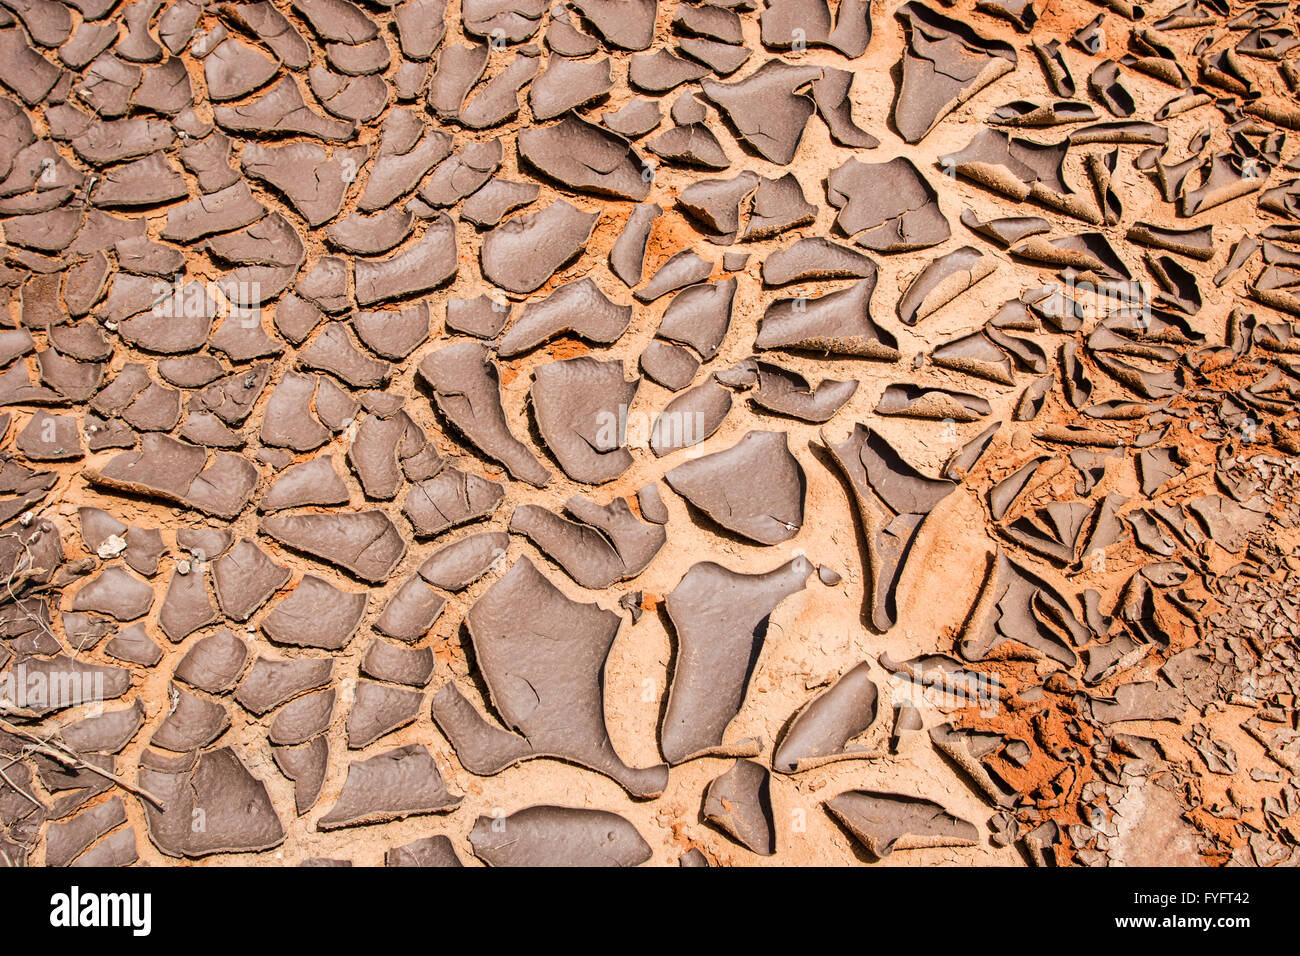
638 117
143 182
522 253
234 69
699 316
406 153
892 500
261 19
134 646
690 145
756 488
358 59
683 269
888 207
245 578
831 96
411 611
73 381
579 308
456 566
1123 131
338 20
279 111
1019 169
785 24
366 543
779 205
559 836
312 482
605 544
740 804
363 235
497 100
1005 492
398 665
1005 231
458 69
815 258
186 606
224 487
376 448
115 592
769 108
839 323
325 287
718 204
625 24
378 710
66 840
567 84
287 420
389 786
1105 87
302 719
497 198
1026 113
1178 288
720 618
236 809
1152 56
651 504
945 64
483 317
117 849
690 418
672 366
305 766
662 71
545 683
581 407
50 438
106 733
975 354
1196 243
936 404
1019 13
943 280
436 850
421 267
214 663
715 22
333 351
462 173
786 392
466 387
270 683
1088 252
585 158
452 498
316 614
821 731
627 255
884 822
1019 607
192 723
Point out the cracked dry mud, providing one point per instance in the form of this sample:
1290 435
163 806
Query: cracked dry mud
620 431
